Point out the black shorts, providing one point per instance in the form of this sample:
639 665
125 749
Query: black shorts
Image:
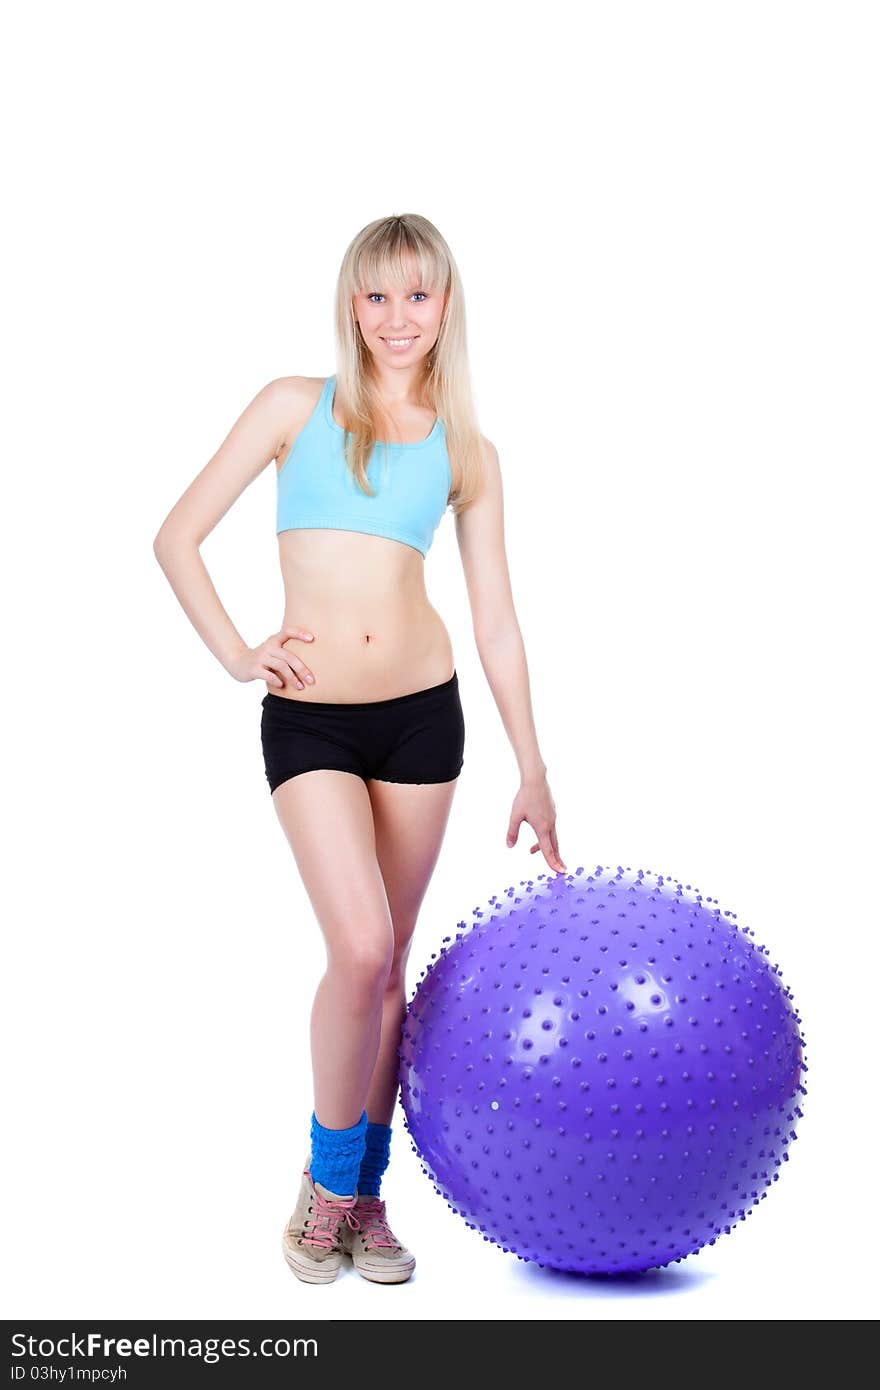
408 738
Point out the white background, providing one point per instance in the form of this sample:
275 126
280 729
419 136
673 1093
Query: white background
665 221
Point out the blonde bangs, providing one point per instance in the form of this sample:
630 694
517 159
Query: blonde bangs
388 260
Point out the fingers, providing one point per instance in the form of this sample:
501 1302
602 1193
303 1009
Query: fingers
280 662
548 846
546 842
555 843
551 854
279 667
298 669
269 676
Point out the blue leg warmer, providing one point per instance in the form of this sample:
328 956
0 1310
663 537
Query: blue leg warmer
337 1154
375 1159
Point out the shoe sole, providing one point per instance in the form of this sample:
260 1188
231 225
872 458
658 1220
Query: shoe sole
308 1272
378 1275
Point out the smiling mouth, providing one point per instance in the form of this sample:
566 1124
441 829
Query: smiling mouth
401 342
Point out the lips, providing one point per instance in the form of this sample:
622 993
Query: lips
400 344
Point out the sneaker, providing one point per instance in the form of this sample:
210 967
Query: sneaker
375 1251
312 1242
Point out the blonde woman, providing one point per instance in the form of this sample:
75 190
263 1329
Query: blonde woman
362 726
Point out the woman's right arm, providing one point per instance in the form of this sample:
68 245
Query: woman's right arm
253 441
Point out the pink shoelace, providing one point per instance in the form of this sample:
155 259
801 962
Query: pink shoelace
373 1224
321 1226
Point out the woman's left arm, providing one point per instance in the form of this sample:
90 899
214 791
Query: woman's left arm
480 534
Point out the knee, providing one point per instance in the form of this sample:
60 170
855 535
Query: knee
363 968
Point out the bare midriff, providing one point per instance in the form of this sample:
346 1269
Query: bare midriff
376 635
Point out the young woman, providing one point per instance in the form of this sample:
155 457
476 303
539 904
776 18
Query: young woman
362 726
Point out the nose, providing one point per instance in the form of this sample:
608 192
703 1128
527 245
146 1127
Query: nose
397 326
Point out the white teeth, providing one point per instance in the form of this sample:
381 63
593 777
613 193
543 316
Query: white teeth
399 342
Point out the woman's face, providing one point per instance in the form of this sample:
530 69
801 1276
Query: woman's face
399 325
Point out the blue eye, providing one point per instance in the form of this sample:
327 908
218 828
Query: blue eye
377 295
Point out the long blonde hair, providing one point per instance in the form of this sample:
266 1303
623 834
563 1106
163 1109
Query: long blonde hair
378 254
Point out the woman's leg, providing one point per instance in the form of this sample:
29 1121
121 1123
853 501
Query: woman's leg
410 822
327 818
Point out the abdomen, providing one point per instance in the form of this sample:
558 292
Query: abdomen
376 633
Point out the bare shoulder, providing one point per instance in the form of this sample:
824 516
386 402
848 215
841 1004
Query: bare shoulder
490 454
294 397
294 391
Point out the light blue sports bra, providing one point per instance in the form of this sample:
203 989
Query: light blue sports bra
412 483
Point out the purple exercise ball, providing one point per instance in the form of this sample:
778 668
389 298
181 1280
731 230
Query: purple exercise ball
602 1072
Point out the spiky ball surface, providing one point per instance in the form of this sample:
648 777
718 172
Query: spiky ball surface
602 1072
